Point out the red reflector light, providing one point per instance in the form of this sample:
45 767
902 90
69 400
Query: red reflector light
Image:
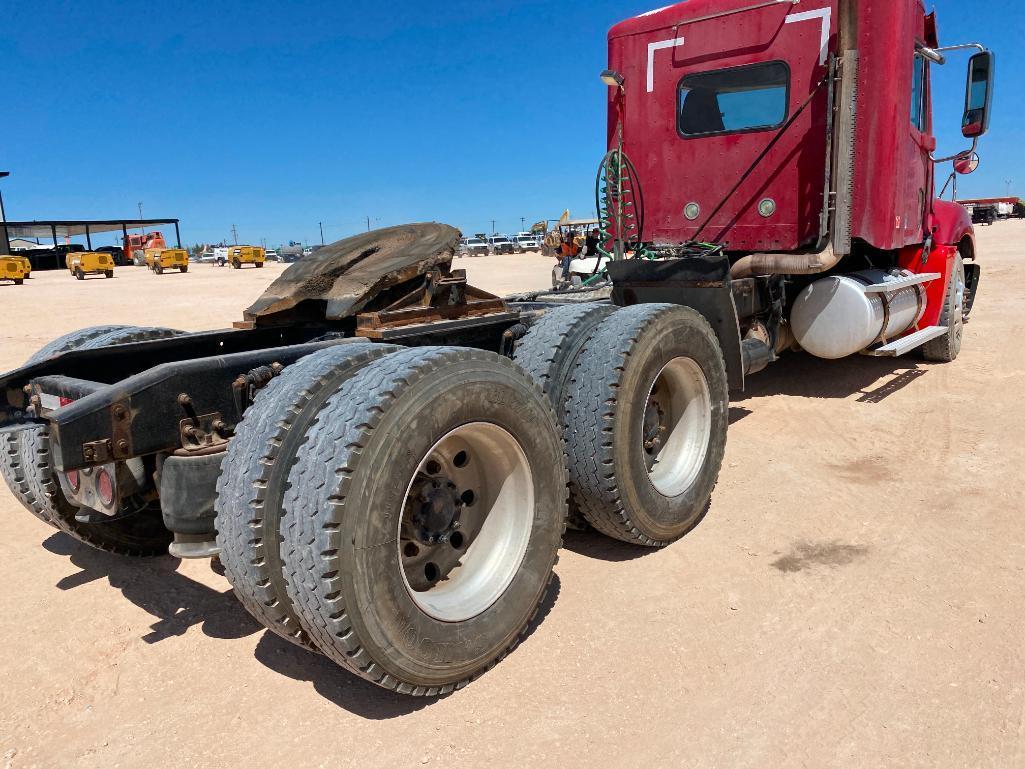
65 401
105 487
74 480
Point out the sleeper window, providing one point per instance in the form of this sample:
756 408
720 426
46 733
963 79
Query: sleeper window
732 100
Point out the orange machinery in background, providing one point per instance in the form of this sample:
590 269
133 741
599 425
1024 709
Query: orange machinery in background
135 246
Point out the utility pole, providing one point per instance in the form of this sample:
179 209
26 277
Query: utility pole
368 224
492 226
234 233
140 216
523 223
1009 182
3 218
321 232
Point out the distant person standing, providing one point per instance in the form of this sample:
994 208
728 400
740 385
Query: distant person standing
568 251
591 243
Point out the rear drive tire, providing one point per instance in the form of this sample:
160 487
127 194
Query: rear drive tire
27 464
648 419
13 470
184 268
550 349
946 348
549 354
425 432
158 269
79 275
255 471
76 340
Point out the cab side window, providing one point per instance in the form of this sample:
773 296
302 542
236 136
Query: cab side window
918 94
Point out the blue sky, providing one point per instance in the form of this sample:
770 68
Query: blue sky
277 116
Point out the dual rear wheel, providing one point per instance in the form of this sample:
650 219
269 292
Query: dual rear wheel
401 510
405 514
644 401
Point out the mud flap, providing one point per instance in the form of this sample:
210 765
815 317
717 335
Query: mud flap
972 276
701 284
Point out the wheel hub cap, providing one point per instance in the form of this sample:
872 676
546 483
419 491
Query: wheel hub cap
438 511
466 522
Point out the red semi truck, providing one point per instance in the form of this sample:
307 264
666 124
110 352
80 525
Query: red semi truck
384 459
798 136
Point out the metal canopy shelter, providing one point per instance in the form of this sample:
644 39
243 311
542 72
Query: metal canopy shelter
76 228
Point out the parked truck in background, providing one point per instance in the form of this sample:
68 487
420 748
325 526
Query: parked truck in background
379 453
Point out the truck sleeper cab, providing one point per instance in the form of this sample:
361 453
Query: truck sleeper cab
753 127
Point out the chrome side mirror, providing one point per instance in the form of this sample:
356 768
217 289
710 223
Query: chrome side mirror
967 163
979 95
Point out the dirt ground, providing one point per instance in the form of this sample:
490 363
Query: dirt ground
854 598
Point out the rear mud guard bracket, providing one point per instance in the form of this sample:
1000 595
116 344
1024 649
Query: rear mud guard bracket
701 284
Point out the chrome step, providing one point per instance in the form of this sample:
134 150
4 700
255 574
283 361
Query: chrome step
897 285
906 344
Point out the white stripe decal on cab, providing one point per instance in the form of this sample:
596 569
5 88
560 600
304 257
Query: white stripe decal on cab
826 14
652 49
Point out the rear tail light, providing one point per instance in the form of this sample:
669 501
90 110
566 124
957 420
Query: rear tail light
105 487
74 480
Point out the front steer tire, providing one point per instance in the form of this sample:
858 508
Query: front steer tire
255 472
347 505
651 374
947 348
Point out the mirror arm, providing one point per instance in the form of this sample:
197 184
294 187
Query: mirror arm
953 178
975 146
963 47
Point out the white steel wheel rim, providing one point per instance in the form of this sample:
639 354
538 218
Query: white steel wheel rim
487 461
685 406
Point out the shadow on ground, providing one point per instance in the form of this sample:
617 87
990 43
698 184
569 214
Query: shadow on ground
349 691
592 544
802 375
154 585
179 603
